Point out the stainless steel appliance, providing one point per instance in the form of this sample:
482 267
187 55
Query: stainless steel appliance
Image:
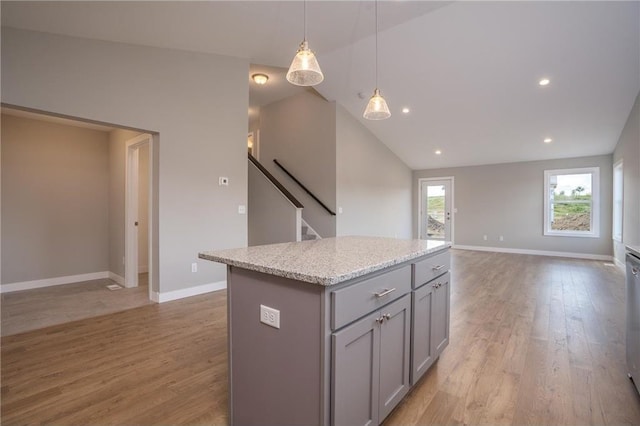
633 316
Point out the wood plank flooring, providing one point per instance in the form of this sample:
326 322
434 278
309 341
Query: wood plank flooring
534 340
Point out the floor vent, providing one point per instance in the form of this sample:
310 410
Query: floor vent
114 287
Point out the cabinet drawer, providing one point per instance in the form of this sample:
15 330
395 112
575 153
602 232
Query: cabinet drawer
429 268
352 302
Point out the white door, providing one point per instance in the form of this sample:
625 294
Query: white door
436 200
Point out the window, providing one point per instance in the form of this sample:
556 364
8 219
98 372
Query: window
617 201
571 202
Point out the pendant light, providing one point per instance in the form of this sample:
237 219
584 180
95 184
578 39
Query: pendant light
377 108
304 69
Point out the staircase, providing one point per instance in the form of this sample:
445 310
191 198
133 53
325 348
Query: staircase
308 233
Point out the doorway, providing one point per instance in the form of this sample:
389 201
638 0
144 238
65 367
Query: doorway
137 207
435 209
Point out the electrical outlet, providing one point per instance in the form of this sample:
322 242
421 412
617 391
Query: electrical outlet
501 238
270 316
194 267
223 181
484 237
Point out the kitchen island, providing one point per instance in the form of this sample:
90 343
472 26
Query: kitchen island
333 331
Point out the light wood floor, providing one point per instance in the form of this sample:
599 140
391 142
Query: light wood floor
39 308
534 340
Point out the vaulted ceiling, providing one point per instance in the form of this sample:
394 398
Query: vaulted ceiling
468 71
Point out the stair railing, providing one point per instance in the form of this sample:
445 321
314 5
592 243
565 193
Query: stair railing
293 200
303 187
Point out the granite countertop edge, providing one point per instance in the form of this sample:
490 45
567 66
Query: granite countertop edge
319 279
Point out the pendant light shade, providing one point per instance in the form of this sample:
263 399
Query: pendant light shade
304 69
377 108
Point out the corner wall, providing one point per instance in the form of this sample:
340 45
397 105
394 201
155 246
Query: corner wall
197 103
507 199
55 220
300 132
373 184
628 150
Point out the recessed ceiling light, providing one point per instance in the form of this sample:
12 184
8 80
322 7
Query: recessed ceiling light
260 78
547 140
544 82
406 110
438 152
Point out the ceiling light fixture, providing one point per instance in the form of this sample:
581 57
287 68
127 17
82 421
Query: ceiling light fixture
406 110
547 140
377 108
544 82
260 78
438 152
304 69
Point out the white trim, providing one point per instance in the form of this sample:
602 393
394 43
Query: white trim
537 252
117 278
49 282
453 200
188 292
620 264
615 211
594 231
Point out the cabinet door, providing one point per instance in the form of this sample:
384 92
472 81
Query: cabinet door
355 373
440 317
421 349
394 354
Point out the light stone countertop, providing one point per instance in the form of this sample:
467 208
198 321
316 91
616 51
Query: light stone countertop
634 249
327 261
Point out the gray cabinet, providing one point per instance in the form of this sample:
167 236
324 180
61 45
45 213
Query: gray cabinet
429 324
440 317
370 365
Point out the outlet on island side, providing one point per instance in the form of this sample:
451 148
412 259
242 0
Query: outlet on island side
194 267
270 316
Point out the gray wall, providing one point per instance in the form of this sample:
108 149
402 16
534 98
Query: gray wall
300 131
628 150
507 199
55 218
196 102
271 216
373 184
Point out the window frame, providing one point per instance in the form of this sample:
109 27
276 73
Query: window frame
617 210
594 231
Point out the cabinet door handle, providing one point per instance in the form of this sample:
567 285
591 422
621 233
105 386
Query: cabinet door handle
385 292
634 271
380 320
387 316
437 268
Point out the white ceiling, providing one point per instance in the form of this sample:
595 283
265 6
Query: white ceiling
467 70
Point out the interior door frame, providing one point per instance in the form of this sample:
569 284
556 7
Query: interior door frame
453 209
131 210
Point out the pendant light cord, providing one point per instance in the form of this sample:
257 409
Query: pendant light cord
305 18
376 10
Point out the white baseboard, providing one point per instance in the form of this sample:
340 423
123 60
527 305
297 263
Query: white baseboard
48 282
620 265
117 278
537 252
187 292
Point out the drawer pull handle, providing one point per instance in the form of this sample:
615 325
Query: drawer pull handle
385 292
387 316
437 268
